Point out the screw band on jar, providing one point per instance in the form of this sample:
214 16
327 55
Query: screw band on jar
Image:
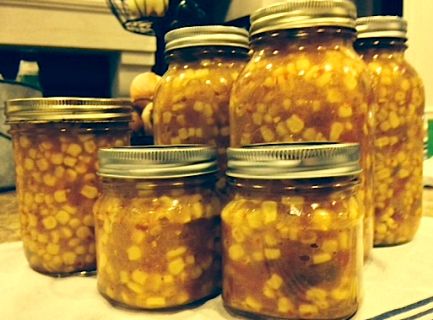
157 225
381 27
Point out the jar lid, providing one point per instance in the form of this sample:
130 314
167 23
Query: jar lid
294 160
303 13
212 35
381 27
157 162
42 110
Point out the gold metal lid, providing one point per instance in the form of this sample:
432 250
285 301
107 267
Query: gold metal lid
157 162
212 35
381 27
303 13
43 110
294 160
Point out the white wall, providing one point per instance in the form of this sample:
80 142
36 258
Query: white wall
419 14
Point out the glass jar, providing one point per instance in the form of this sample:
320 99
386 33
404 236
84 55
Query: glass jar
55 143
292 232
398 177
305 82
191 104
157 226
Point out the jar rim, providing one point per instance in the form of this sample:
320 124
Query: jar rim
67 109
299 160
297 14
381 27
157 162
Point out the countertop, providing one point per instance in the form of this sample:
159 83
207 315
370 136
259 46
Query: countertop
9 221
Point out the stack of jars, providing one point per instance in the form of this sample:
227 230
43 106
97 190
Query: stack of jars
321 143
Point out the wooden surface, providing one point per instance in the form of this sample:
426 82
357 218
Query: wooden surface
9 222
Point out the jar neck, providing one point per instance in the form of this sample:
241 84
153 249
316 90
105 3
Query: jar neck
303 185
299 39
372 46
194 54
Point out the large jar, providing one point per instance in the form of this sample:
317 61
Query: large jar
398 179
55 144
191 104
305 82
157 226
292 232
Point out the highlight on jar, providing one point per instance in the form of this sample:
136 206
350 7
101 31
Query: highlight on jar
55 144
399 133
292 231
158 226
305 82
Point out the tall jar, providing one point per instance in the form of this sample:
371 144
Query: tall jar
398 130
55 143
292 232
191 104
305 82
157 226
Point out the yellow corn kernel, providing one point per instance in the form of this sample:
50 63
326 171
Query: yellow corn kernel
321 258
56 158
63 217
270 211
42 164
176 252
340 294
315 294
74 149
176 266
71 175
166 117
135 287
403 173
275 281
334 96
90 146
189 259
139 276
343 240
49 179
270 240
49 222
295 124
272 254
123 275
84 232
88 220
253 303
89 191
155 302
394 120
43 238
134 253
285 305
137 236
344 111
55 236
69 258
308 310
269 292
254 219
236 252
60 196
267 134
80 250
258 256
24 142
70 161
197 210
321 219
337 129
330 246
168 279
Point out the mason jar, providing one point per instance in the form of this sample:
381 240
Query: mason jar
399 133
305 82
157 226
55 143
292 231
191 104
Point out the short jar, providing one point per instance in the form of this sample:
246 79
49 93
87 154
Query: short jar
399 131
157 226
292 232
55 143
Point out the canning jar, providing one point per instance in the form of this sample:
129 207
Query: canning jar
55 143
398 178
292 231
157 226
191 104
305 82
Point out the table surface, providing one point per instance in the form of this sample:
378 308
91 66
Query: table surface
393 277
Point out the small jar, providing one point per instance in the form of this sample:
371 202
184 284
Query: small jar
192 100
55 143
399 132
305 82
292 232
157 226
